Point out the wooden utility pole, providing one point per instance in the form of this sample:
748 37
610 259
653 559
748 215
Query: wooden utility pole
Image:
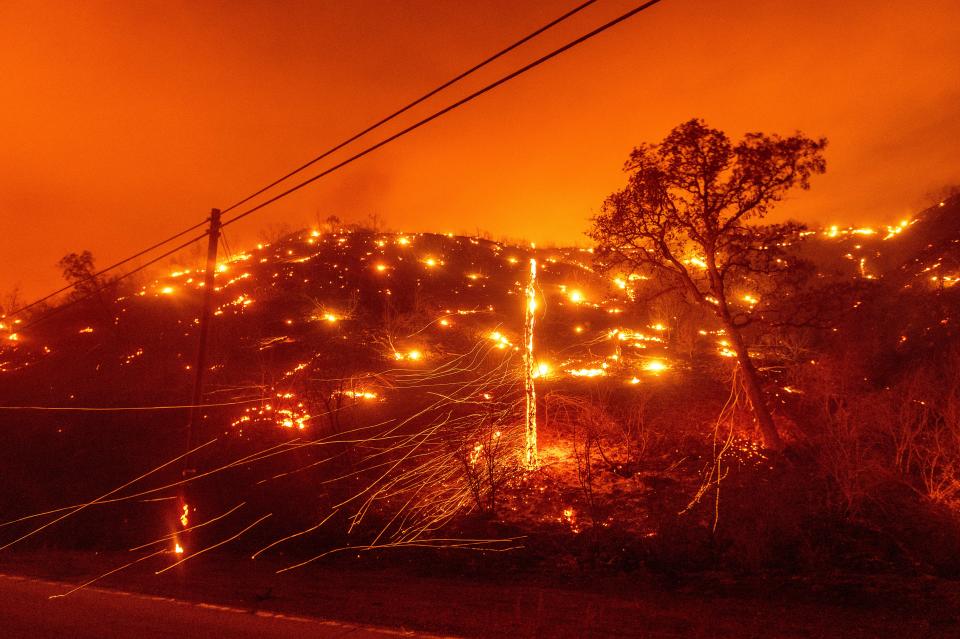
531 455
213 238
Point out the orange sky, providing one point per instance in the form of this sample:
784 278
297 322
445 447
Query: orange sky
123 122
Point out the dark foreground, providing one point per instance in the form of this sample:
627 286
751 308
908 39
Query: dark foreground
240 598
27 612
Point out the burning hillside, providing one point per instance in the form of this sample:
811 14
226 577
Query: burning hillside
375 382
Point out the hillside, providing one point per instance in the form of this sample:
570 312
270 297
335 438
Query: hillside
375 380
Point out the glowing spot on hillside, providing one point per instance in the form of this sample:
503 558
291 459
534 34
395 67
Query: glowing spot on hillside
501 340
413 355
542 369
588 372
655 366
359 394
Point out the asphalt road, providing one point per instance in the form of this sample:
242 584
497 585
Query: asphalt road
26 611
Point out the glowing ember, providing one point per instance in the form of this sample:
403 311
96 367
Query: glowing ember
359 394
500 339
542 370
411 355
655 366
588 372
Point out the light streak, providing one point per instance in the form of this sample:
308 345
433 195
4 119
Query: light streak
76 509
216 545
177 549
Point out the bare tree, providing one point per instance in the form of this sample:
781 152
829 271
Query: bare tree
11 301
78 269
682 216
274 232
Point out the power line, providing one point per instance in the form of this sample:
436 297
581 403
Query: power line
323 155
422 98
587 36
57 309
556 52
94 276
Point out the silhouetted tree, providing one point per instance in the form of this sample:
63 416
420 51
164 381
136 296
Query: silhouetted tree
332 224
682 216
273 233
78 269
11 301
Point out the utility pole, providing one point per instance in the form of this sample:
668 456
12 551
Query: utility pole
213 238
531 455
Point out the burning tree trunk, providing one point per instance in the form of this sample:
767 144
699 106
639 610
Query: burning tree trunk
751 384
531 456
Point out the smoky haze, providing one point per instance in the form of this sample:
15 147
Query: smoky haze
124 122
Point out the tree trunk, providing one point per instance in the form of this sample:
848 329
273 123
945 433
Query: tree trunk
751 383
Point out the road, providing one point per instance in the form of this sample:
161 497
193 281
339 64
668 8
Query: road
26 611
